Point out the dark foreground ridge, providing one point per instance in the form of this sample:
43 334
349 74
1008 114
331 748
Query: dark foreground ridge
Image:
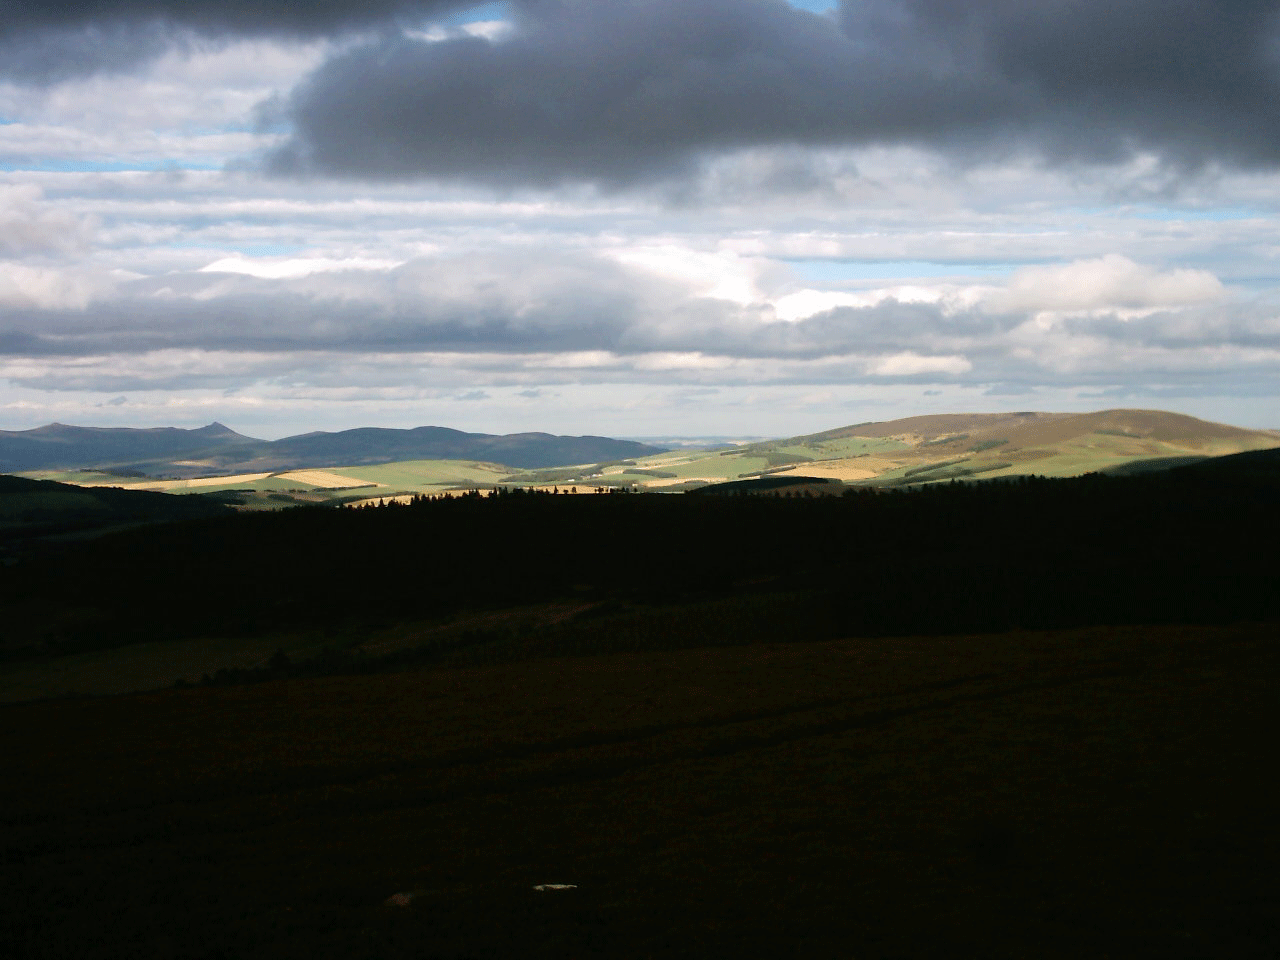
1193 545
1011 719
42 509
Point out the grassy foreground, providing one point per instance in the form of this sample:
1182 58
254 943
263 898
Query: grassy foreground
1089 792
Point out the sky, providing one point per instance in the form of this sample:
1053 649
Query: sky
635 218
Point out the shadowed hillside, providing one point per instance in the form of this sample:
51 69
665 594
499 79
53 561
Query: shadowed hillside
36 510
215 449
375 445
60 446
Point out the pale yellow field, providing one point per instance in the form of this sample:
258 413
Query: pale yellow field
208 481
654 463
323 478
171 486
831 469
675 481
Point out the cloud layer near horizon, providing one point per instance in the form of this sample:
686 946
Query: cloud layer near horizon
1087 320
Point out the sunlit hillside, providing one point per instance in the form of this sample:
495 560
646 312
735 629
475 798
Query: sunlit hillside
914 450
928 449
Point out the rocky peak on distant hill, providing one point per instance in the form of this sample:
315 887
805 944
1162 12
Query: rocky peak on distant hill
219 430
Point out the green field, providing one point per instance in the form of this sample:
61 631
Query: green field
754 459
1087 455
828 449
425 476
265 485
682 465
730 465
276 491
856 447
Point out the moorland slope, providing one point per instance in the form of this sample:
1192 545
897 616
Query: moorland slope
925 449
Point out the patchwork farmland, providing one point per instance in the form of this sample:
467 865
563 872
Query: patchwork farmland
913 451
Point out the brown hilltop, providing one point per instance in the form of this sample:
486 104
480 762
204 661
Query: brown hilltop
1029 429
1027 442
932 426
1151 425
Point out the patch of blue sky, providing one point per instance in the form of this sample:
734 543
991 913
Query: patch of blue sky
71 165
847 271
1213 214
241 126
1256 286
247 249
815 6
1169 213
480 13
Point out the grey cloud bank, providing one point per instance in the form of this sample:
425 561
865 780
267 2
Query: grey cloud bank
22 17
46 41
619 92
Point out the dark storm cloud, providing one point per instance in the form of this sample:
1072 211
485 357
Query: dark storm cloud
45 41
632 90
306 17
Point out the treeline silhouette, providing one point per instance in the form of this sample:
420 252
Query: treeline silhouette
1182 546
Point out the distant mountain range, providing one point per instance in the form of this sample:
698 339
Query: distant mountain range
217 449
897 452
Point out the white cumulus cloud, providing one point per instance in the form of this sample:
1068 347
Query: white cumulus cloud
271 268
1111 282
